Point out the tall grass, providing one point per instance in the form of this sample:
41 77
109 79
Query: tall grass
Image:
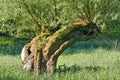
96 64
92 60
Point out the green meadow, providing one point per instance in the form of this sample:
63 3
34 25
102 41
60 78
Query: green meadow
90 60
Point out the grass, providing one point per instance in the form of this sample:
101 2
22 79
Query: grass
92 60
107 61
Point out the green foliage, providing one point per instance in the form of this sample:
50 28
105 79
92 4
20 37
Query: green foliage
9 40
113 29
15 19
102 12
11 45
9 16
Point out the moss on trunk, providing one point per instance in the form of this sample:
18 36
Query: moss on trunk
46 52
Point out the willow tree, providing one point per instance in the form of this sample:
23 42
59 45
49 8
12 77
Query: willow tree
60 24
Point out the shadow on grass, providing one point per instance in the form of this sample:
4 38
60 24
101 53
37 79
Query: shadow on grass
76 68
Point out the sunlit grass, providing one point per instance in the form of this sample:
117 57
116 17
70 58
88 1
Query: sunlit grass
93 57
96 62
107 60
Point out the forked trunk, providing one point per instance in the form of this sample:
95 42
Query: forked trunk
45 53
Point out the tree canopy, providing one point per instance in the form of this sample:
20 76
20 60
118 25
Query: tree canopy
57 24
25 18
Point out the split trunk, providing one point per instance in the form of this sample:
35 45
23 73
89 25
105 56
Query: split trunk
44 50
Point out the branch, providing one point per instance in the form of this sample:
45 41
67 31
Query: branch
86 10
66 44
55 9
72 32
32 16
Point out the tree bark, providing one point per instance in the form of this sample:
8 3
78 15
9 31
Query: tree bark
46 52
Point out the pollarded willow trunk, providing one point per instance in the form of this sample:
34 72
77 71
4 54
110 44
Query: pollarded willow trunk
42 55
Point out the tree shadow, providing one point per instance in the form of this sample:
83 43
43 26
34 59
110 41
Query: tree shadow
76 68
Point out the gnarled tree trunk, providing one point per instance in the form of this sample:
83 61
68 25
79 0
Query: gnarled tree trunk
42 55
